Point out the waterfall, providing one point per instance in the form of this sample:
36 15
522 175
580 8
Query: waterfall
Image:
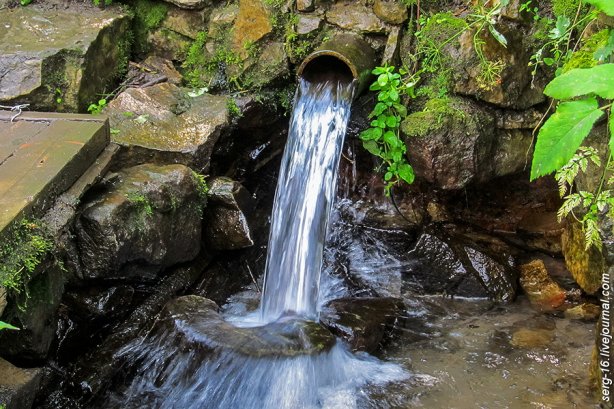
304 198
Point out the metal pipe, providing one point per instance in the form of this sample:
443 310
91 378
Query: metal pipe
345 57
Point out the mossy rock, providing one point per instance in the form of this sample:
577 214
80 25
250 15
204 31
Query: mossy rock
585 56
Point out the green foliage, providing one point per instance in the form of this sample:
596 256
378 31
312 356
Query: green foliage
148 15
233 109
593 51
587 203
22 250
4 325
562 134
96 109
25 2
201 184
99 2
382 139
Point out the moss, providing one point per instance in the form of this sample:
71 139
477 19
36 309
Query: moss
148 15
439 30
567 8
233 109
437 112
584 57
23 248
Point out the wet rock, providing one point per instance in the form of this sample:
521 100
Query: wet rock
390 11
447 263
147 219
453 142
532 338
226 218
584 312
364 323
18 387
54 65
108 303
252 24
36 314
162 124
355 16
195 322
543 292
542 231
449 141
305 5
586 265
188 23
190 4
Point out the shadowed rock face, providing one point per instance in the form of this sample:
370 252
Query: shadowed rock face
453 265
193 321
148 218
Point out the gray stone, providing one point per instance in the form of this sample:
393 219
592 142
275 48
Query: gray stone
305 5
271 67
18 387
169 44
226 218
391 52
147 219
355 16
390 11
186 22
162 67
162 124
190 4
308 23
65 60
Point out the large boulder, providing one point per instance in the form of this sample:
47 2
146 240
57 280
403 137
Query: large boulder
164 124
64 60
226 224
355 16
18 387
147 218
445 262
455 141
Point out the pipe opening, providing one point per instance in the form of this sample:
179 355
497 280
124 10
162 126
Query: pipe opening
325 66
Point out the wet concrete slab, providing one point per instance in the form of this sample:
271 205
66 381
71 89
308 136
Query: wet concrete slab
41 156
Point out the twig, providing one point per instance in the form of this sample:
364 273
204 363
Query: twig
253 278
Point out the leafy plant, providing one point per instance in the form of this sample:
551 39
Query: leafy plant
201 183
558 148
96 109
25 2
382 139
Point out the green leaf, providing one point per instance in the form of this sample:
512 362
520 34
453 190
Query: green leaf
388 176
562 135
562 24
607 6
391 139
392 121
372 147
406 172
549 61
382 80
379 108
4 325
582 81
611 134
497 35
371 134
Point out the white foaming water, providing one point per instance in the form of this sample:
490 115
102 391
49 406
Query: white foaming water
304 198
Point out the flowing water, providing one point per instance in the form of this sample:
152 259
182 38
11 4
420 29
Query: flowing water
305 194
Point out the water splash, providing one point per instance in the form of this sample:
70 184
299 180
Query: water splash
304 198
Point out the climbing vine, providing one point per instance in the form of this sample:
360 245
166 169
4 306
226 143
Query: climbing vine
586 95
